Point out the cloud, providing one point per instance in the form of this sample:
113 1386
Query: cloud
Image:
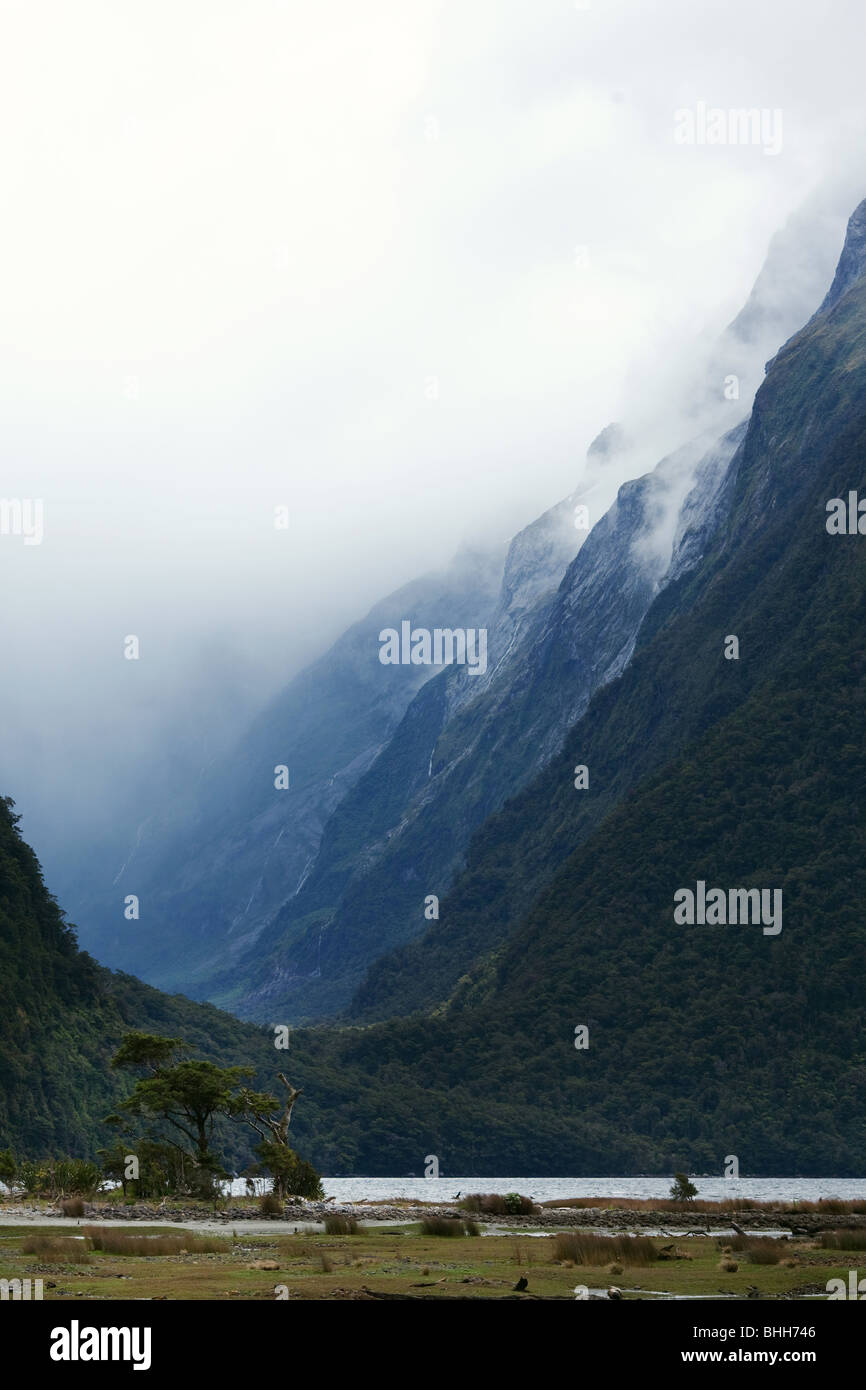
393 266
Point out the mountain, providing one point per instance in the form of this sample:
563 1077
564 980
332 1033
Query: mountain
624 747
215 865
743 773
275 903
62 1016
466 744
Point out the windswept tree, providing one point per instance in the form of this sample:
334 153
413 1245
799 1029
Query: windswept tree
292 1175
683 1189
186 1095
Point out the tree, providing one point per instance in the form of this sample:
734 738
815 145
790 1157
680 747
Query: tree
683 1190
188 1095
291 1174
8 1167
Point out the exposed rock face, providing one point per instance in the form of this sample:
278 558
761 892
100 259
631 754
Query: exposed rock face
264 902
852 261
217 864
466 744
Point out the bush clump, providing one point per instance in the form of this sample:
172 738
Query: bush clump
758 1250
843 1240
57 1249
339 1225
171 1243
497 1204
583 1248
447 1226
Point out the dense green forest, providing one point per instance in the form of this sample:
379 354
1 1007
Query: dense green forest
677 685
63 1017
704 1041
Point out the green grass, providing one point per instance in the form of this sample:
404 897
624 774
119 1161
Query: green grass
406 1260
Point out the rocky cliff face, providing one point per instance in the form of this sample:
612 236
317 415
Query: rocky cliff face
466 744
852 261
704 1040
269 901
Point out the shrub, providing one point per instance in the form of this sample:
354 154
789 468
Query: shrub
293 1175
843 1240
764 1252
516 1205
57 1249
758 1250
72 1206
171 1243
53 1176
728 1266
494 1204
441 1226
339 1225
587 1249
270 1204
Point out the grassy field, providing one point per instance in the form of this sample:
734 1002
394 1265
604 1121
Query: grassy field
162 1262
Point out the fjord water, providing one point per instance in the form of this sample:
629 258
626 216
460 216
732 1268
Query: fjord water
715 1189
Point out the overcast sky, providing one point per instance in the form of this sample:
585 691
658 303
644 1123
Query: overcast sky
391 265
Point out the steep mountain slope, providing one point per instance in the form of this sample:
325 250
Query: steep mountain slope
219 861
465 743
405 767
620 744
401 833
703 1040
62 1016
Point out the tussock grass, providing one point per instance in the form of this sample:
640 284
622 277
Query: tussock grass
110 1242
447 1226
583 1248
57 1249
843 1240
338 1225
759 1250
826 1206
829 1206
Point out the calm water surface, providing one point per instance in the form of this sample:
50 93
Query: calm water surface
550 1189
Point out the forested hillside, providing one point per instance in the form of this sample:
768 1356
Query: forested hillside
703 1041
63 1016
